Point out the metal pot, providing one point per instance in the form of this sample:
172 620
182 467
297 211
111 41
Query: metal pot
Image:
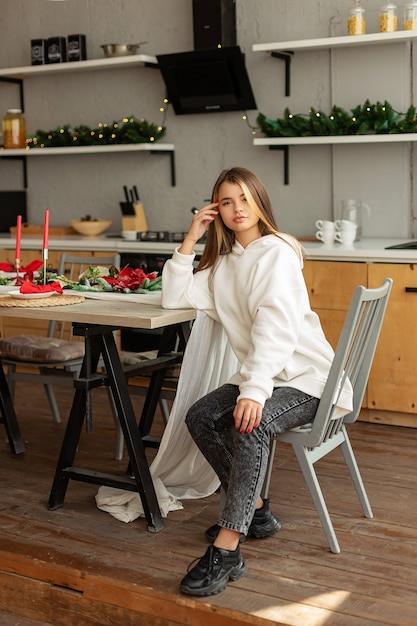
120 49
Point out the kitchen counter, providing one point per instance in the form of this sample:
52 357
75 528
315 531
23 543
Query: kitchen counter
366 250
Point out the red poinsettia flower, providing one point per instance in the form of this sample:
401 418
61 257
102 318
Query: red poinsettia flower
129 278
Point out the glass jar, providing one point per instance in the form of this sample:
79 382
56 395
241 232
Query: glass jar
388 20
14 129
410 16
356 20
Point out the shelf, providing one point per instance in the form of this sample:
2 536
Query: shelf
135 147
334 140
135 60
153 148
285 49
346 41
283 143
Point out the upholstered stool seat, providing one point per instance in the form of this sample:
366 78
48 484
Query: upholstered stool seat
40 350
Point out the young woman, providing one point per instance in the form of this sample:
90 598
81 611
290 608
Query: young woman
250 280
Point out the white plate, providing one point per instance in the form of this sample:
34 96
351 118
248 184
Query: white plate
32 296
153 297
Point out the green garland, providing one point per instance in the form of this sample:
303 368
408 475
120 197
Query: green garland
379 118
127 131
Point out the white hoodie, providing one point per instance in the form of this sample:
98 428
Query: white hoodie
258 294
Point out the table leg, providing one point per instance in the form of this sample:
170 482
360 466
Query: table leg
133 440
9 416
73 429
182 332
100 340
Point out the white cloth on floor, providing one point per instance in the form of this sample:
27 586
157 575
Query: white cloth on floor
179 470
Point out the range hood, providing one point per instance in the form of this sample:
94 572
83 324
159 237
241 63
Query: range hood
207 81
212 78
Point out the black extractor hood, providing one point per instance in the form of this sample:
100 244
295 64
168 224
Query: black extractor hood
213 77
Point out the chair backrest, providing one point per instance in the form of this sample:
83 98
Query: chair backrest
353 359
72 266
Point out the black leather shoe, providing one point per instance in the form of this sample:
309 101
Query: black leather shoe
213 571
263 524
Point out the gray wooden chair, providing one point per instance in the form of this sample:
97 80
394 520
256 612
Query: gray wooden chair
56 358
353 360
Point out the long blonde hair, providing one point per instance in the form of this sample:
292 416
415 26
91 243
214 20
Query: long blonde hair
220 239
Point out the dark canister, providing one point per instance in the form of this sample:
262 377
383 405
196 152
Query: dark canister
56 50
38 51
76 48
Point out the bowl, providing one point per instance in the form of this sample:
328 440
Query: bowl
120 49
129 234
90 227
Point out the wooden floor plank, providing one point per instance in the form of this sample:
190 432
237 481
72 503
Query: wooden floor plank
78 566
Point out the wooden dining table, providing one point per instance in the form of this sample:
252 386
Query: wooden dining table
96 320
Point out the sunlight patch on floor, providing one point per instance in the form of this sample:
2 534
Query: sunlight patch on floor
314 611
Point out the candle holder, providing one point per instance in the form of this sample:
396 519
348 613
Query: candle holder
45 258
18 279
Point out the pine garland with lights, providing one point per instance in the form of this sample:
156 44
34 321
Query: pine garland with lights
129 130
379 118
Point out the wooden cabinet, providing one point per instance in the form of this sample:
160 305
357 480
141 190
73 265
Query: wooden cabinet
330 286
391 396
393 382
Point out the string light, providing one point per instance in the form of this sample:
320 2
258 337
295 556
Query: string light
131 131
163 109
254 129
379 118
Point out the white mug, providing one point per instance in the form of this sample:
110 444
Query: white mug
323 225
343 225
346 236
326 236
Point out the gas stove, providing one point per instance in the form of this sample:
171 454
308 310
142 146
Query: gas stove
160 235
155 235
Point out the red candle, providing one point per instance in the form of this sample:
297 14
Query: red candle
45 229
18 235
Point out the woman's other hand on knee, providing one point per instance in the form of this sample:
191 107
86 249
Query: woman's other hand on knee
247 415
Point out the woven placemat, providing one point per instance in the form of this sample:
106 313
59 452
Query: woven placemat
51 301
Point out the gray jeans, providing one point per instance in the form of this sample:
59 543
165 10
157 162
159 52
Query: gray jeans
240 460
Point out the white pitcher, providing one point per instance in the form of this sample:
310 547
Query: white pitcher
353 210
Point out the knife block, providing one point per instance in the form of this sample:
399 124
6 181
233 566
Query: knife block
137 221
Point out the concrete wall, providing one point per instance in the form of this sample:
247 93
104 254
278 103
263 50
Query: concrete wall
71 186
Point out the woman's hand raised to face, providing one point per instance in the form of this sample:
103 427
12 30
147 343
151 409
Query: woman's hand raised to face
201 220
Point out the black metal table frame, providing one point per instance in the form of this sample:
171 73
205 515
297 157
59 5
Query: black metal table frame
100 341
8 416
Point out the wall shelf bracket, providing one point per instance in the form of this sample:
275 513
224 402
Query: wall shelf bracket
286 57
24 164
172 161
16 81
19 82
286 151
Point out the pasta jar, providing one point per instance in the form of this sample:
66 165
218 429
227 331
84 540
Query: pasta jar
356 20
14 129
410 16
388 20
